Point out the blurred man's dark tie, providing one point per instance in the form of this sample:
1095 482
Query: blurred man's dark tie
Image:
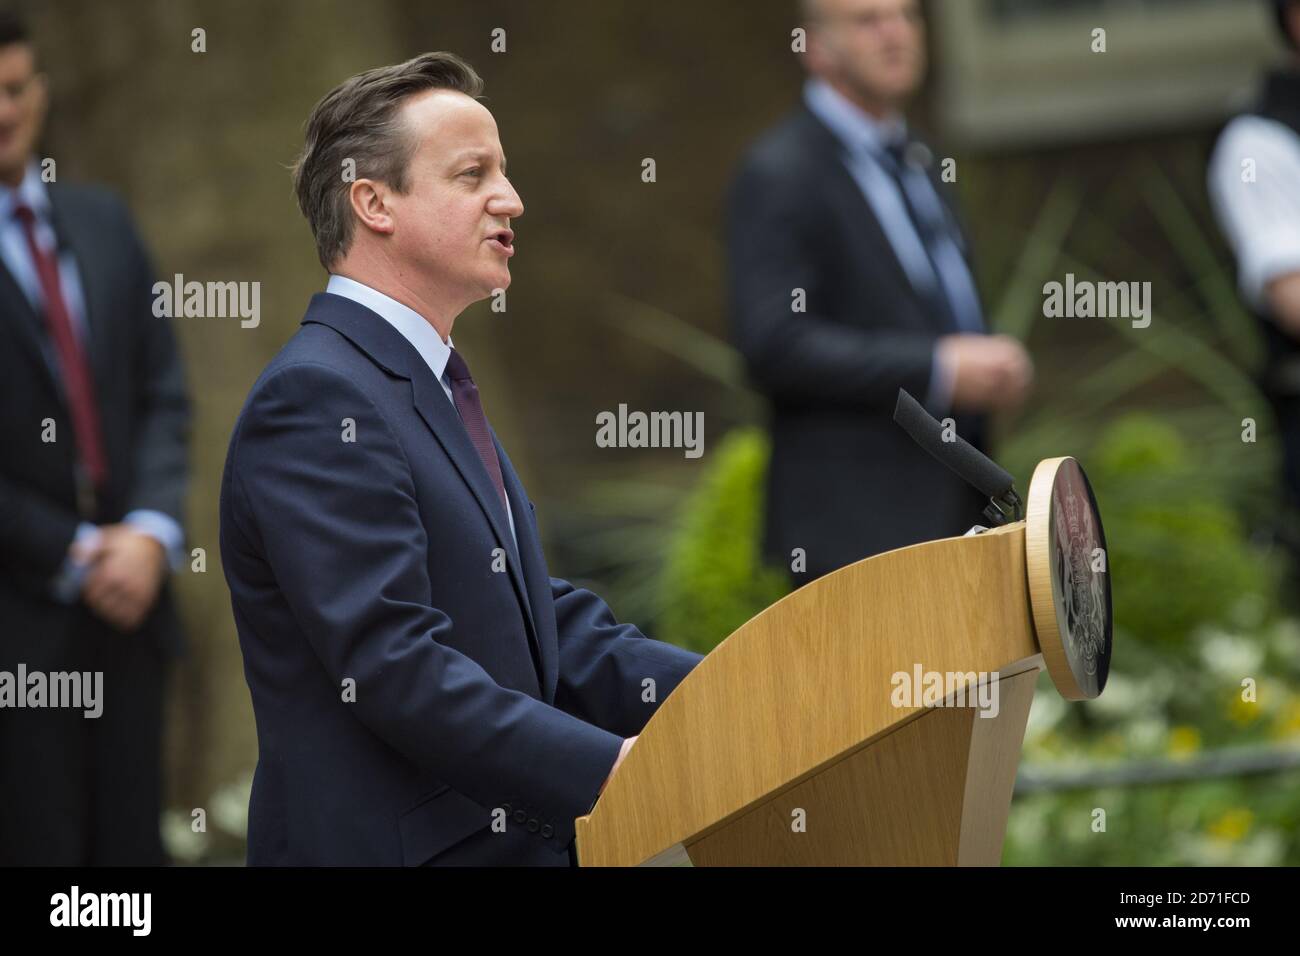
893 159
78 382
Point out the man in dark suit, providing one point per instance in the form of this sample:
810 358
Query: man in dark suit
849 278
92 479
425 692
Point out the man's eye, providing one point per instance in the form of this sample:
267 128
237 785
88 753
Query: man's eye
477 170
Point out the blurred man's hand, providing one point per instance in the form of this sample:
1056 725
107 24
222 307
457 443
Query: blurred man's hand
125 576
1284 302
989 372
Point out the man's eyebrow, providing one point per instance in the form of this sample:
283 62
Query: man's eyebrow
480 154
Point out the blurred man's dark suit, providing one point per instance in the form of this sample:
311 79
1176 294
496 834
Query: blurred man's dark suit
75 790
844 482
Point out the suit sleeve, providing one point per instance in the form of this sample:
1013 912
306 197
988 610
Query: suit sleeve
339 525
160 444
34 532
776 243
604 665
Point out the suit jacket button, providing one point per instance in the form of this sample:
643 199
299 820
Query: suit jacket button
520 816
533 825
547 830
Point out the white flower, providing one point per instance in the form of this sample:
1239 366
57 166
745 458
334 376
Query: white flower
1230 656
1044 714
230 806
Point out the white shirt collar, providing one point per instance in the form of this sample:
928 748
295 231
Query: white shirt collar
421 334
31 192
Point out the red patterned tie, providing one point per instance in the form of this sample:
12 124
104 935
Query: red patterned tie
465 394
78 383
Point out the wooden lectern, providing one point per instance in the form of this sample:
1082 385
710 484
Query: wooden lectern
800 740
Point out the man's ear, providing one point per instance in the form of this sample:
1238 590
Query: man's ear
815 55
369 200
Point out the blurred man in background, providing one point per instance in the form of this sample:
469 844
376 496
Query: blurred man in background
1254 181
92 477
850 278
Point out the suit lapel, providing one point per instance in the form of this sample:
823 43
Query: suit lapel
95 282
829 151
535 574
74 234
440 415
388 349
27 325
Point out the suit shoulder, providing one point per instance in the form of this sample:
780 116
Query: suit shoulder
781 174
314 354
307 382
782 168
90 199
781 149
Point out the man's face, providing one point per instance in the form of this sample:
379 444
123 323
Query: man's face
875 47
22 109
458 198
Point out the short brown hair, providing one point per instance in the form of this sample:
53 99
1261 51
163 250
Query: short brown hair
358 120
13 30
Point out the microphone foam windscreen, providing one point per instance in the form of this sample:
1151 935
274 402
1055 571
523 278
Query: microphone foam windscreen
976 468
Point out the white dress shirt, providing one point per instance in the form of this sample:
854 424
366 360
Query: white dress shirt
424 338
1259 215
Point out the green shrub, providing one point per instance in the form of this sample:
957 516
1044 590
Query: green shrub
1178 555
714 579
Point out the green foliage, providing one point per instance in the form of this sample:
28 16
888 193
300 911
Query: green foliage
1194 601
1154 415
714 579
1178 554
1231 822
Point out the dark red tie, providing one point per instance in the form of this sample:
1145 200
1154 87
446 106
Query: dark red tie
465 394
78 382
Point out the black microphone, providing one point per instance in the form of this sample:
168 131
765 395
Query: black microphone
970 464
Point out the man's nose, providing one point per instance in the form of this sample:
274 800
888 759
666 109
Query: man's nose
508 203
